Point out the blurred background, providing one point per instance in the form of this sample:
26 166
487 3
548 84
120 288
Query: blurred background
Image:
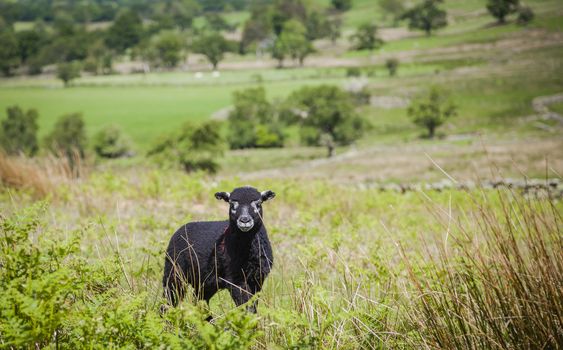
244 86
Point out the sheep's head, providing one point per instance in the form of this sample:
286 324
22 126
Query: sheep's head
245 206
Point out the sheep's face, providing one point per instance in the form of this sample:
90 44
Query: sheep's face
245 206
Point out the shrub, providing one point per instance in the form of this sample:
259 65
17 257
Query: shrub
111 143
432 110
253 121
392 65
68 137
19 131
525 15
353 72
342 5
192 147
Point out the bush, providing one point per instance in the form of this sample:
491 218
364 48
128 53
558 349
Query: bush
68 137
525 15
366 37
432 110
426 16
111 143
192 147
253 122
392 64
19 131
353 72
342 5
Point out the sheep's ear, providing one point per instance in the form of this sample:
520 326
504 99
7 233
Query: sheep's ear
267 195
223 195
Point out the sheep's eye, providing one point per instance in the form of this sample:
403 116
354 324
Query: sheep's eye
234 205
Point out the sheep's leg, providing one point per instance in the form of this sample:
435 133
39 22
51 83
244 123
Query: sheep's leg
242 294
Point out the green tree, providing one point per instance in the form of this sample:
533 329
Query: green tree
110 142
499 9
19 131
366 37
192 147
9 51
392 64
292 42
125 32
253 121
395 8
326 116
213 46
68 137
68 71
167 49
432 110
525 15
342 5
426 16
30 43
334 29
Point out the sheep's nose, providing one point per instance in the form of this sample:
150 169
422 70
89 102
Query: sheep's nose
245 218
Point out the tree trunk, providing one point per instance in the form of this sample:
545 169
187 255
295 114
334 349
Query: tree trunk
431 131
330 149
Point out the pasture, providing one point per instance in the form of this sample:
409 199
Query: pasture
398 241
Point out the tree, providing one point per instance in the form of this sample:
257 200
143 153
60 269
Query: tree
326 116
334 29
342 5
19 131
192 147
392 64
167 49
68 137
525 15
395 8
30 43
253 121
366 38
426 16
213 46
110 142
9 52
292 42
125 32
68 71
499 9
432 110
217 23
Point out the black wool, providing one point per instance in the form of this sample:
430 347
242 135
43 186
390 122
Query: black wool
234 254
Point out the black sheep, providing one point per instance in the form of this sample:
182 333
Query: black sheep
234 254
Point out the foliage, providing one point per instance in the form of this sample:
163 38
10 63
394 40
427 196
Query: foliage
432 110
292 42
19 131
366 37
213 46
166 49
125 32
68 136
30 42
9 54
68 71
334 29
253 121
426 16
217 23
192 147
525 15
392 64
342 5
353 72
326 115
499 9
110 142
395 8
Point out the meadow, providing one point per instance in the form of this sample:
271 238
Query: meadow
396 242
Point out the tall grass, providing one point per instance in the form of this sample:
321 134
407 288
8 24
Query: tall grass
500 284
